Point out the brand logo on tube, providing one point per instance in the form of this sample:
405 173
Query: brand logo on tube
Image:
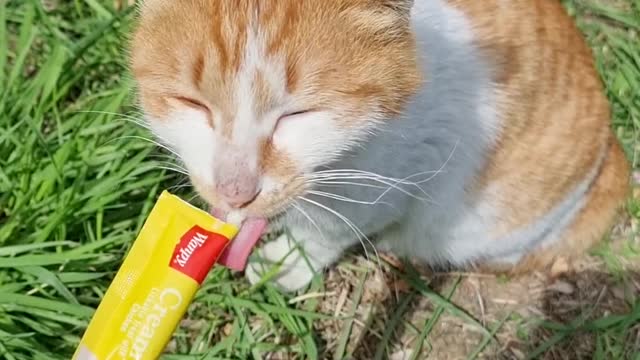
196 252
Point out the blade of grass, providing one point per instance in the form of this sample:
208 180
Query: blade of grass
9 251
392 325
419 343
43 260
414 280
83 312
47 277
4 49
487 339
348 326
259 307
27 37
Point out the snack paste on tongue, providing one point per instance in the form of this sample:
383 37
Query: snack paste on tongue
166 265
235 256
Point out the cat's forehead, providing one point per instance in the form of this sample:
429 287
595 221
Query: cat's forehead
238 51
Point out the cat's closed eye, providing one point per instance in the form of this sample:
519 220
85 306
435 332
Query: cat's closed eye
193 103
294 114
289 116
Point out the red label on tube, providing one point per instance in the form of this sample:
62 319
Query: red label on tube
197 252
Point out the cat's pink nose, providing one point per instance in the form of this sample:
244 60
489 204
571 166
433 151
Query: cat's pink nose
238 192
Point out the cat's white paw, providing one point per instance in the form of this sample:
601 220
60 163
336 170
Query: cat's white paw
295 272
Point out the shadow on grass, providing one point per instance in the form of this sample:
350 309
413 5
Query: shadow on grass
405 301
580 315
396 317
589 315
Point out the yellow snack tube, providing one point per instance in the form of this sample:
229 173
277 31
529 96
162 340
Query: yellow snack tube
153 288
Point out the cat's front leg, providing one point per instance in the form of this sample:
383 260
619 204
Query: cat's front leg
300 253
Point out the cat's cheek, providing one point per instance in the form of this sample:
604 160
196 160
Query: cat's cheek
309 141
189 134
271 184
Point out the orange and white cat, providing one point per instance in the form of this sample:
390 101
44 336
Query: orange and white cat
461 133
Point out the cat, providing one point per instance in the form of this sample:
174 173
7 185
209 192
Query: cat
460 133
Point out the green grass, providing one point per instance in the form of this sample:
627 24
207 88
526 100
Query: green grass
76 184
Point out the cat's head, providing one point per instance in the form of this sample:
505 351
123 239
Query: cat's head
254 95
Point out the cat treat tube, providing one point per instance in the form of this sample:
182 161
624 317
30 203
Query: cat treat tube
166 265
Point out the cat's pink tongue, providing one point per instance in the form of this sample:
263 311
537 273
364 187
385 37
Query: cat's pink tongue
237 252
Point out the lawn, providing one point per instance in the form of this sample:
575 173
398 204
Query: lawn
78 175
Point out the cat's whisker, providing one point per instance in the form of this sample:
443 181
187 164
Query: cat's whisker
390 186
444 164
354 174
166 157
173 165
139 123
173 170
180 186
340 183
342 198
192 198
351 172
374 177
357 177
362 172
165 147
296 206
100 112
346 199
308 217
348 222
186 181
120 116
359 234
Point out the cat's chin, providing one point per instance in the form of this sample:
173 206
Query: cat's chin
237 252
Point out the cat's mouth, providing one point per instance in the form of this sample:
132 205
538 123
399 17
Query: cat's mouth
237 252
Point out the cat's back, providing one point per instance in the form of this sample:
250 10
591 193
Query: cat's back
553 155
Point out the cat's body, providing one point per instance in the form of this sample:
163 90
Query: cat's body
500 158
